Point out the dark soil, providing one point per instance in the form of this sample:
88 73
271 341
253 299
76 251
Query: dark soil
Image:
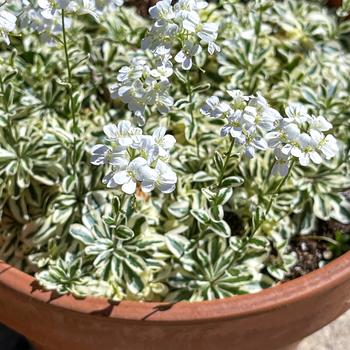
141 5
314 251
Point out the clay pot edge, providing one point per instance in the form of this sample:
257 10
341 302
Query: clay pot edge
282 295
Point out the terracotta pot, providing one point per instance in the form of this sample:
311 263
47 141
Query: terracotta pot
270 319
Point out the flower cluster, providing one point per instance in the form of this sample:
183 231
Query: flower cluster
182 24
254 125
136 159
248 119
139 86
301 135
7 24
145 84
45 16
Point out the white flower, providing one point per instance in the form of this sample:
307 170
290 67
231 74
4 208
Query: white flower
308 151
320 123
162 10
251 142
133 94
123 133
234 126
44 21
165 142
7 24
140 86
136 159
208 32
239 100
102 154
184 7
176 23
158 95
326 144
130 73
260 116
165 179
50 7
128 176
296 113
214 108
188 51
162 71
149 149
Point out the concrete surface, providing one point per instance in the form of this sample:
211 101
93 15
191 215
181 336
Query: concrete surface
335 336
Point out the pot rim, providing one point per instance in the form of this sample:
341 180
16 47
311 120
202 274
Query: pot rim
312 284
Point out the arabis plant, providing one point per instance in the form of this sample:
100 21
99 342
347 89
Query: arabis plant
175 157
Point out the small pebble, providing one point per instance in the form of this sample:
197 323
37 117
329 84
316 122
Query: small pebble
321 263
327 254
304 247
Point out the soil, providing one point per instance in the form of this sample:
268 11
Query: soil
314 251
141 5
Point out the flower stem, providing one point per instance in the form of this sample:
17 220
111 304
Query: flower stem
280 185
190 96
75 125
228 156
273 196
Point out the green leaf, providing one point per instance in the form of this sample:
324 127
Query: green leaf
223 196
277 272
257 217
218 161
202 176
200 215
176 244
6 155
82 234
341 212
220 228
309 95
68 183
179 209
124 233
232 181
180 76
201 88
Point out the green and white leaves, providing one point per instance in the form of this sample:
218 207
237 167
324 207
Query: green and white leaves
195 243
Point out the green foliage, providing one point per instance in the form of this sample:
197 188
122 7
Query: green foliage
58 220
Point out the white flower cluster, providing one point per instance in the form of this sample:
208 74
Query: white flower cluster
301 135
256 126
182 24
139 86
45 16
144 84
7 24
136 159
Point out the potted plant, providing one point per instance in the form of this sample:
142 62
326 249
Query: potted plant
165 182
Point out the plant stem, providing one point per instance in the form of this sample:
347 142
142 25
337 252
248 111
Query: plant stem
190 95
75 126
273 196
280 185
228 156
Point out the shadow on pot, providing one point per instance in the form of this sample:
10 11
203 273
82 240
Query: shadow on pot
10 340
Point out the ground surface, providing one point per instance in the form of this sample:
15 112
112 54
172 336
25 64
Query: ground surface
335 336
